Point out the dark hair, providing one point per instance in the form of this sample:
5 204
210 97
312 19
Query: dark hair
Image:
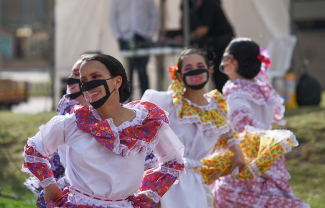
116 69
192 51
245 51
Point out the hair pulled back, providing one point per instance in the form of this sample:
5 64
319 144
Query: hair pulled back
116 69
192 51
245 51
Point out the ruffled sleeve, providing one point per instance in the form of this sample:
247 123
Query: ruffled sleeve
241 114
45 142
157 181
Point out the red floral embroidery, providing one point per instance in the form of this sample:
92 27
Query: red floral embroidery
159 180
38 169
136 138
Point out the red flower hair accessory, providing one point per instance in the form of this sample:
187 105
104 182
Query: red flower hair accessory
264 57
173 72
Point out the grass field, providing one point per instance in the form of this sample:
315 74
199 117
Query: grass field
305 163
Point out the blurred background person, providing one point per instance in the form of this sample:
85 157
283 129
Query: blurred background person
133 23
211 31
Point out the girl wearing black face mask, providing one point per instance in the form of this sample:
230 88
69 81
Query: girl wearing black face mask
107 144
212 148
57 160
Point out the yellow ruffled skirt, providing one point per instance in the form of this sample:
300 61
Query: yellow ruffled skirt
260 147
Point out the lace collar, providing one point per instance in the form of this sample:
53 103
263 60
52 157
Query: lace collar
131 137
210 118
140 116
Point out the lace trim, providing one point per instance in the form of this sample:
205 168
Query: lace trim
80 199
232 142
141 115
281 135
207 127
34 159
33 184
46 182
207 107
150 194
31 158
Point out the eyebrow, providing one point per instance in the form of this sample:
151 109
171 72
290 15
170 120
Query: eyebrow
96 72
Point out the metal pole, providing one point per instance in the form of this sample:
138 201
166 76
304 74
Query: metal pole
1 22
52 51
186 23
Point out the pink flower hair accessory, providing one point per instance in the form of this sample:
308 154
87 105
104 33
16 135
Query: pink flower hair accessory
264 57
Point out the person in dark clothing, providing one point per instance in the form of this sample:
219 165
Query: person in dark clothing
211 31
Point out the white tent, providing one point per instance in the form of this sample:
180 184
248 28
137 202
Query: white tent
83 26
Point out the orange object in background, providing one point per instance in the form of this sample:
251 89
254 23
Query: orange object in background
290 100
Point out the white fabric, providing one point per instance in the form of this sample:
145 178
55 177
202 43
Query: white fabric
262 113
130 17
261 20
189 191
94 169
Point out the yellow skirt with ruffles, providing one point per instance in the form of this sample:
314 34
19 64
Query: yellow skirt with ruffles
260 147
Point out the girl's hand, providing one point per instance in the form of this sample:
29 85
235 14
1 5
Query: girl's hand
238 159
52 192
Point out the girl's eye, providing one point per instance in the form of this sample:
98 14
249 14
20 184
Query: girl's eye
95 76
83 81
77 73
201 66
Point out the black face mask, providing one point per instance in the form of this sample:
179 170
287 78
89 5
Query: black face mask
193 73
72 81
96 83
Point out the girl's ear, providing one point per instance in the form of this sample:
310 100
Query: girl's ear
118 81
234 63
210 72
179 76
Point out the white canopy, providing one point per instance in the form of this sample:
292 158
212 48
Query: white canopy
82 26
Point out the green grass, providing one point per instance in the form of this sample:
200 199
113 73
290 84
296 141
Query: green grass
306 163
14 132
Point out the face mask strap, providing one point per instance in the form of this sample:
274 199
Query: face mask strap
221 69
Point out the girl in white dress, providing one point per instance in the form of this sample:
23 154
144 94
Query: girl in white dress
107 144
199 121
252 101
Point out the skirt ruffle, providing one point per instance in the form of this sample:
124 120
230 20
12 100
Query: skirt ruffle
260 147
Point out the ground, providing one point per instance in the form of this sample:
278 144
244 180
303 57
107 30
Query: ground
305 163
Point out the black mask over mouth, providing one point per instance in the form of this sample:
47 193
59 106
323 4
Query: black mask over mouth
92 85
194 73
72 81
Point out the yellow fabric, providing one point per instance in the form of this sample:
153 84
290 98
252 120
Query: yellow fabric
186 111
259 148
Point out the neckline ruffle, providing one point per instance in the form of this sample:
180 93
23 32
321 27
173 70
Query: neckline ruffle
210 118
131 137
